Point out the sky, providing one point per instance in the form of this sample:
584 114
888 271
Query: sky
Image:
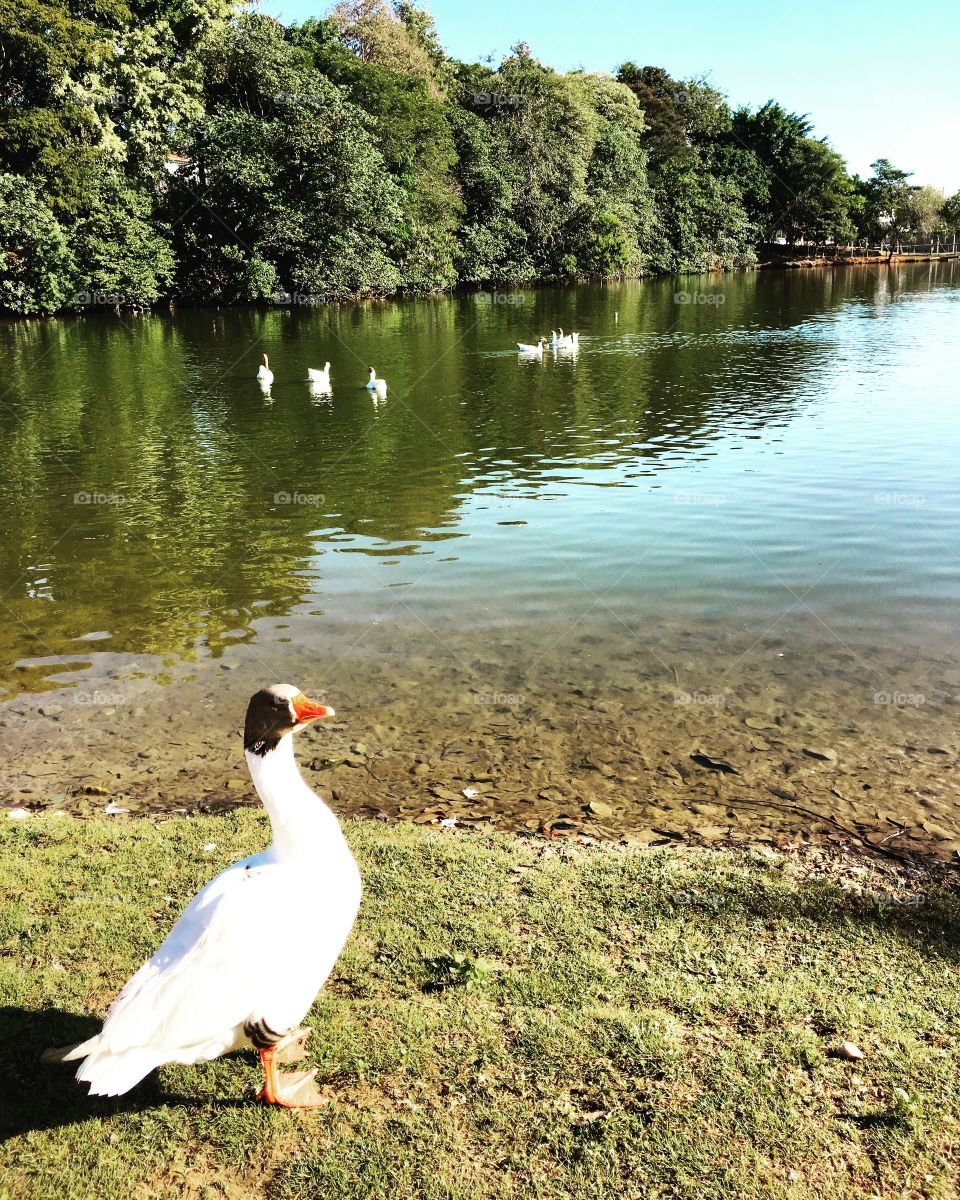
879 78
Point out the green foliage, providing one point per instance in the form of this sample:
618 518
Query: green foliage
284 171
123 255
700 219
199 150
801 190
884 202
35 262
457 970
950 214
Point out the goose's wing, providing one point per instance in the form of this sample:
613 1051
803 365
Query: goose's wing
202 980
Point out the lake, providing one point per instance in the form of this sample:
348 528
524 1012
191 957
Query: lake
701 578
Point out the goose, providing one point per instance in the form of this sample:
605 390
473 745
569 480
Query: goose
320 378
536 350
376 385
567 341
242 965
264 374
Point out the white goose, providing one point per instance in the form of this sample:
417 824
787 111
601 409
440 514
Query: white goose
569 341
376 385
243 964
264 374
535 351
320 378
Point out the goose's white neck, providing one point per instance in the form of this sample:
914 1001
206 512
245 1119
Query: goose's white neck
302 824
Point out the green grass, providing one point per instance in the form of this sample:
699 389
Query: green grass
511 1018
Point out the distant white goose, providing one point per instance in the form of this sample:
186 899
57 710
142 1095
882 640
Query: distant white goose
568 341
536 351
264 374
376 385
320 378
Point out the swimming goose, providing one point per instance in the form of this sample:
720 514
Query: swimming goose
536 350
376 385
320 378
264 374
244 962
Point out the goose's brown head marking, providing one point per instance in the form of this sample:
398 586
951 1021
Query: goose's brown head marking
276 711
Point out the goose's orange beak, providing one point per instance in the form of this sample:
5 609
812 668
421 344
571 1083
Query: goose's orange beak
309 710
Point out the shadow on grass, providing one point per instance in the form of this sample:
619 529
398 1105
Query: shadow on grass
926 919
36 1095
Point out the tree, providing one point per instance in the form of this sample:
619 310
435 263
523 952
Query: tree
286 188
124 256
807 193
922 212
412 129
950 213
884 209
376 33
699 216
36 266
49 131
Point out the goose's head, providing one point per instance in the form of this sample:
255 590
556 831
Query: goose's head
326 367
275 711
373 373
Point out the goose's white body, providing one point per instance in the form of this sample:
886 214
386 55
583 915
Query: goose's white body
253 947
320 377
264 374
533 351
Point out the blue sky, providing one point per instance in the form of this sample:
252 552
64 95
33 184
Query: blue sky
879 78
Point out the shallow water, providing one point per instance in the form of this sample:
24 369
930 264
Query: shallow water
568 575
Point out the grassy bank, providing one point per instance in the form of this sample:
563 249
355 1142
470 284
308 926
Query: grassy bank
511 1018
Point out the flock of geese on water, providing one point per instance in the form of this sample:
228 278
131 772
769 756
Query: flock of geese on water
319 377
561 341
319 380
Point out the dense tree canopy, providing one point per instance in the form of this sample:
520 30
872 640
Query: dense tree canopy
196 149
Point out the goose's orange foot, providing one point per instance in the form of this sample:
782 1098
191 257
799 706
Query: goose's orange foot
289 1089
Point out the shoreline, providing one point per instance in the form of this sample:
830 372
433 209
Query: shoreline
788 758
294 301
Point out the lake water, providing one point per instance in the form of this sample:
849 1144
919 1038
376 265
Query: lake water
550 581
